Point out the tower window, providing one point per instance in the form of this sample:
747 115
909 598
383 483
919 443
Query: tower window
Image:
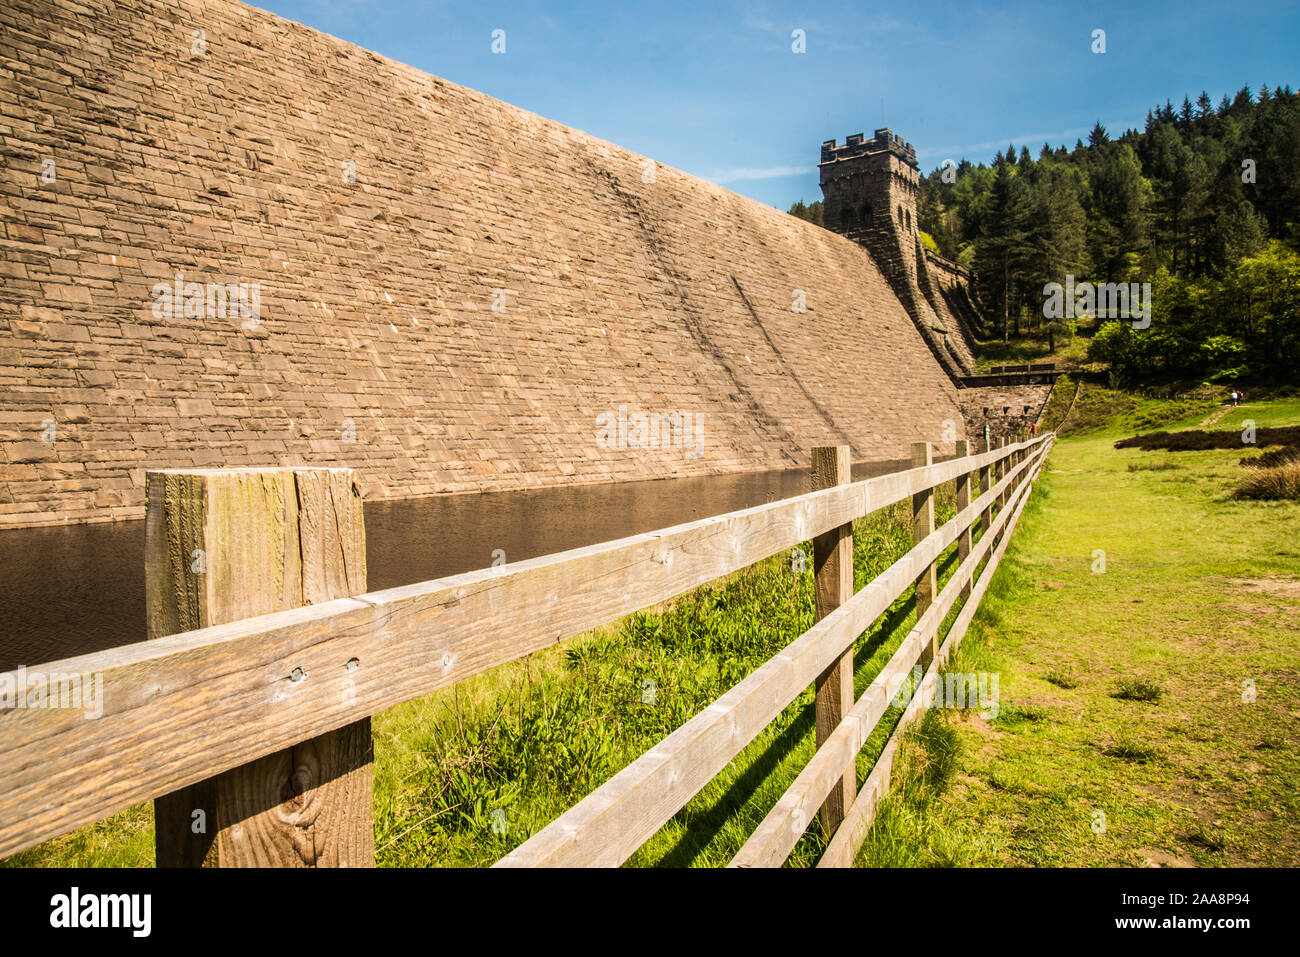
864 216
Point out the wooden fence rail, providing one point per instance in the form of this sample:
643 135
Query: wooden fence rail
777 835
608 826
184 709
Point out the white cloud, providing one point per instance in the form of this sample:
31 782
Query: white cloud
745 173
765 26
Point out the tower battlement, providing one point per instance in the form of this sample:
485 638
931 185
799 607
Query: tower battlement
870 189
857 145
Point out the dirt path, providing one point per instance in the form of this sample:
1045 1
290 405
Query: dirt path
1216 415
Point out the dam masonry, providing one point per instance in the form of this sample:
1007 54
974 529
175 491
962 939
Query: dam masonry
869 189
233 241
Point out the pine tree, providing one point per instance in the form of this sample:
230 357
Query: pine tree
1118 221
1167 203
1002 250
809 211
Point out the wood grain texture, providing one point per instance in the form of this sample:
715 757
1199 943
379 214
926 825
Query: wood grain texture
927 583
225 545
844 845
606 827
183 708
1004 462
774 839
832 587
986 474
963 499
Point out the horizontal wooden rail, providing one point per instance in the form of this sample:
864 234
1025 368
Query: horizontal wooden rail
847 840
781 829
607 827
183 708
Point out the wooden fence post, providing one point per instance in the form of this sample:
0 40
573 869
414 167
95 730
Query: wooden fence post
832 587
927 583
986 475
1004 466
966 539
227 544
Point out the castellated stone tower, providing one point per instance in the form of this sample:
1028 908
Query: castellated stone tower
869 189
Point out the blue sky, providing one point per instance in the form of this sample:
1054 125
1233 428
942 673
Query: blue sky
715 89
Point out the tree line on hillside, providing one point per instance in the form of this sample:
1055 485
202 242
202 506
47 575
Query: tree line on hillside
1203 204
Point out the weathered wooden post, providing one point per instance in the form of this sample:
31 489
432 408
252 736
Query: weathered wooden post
226 544
927 583
1004 467
965 540
986 474
832 587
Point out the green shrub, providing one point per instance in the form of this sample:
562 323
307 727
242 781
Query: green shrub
1062 678
1127 749
1139 689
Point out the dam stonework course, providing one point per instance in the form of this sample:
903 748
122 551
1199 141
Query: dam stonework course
447 292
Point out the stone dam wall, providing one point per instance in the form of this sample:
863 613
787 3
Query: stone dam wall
1007 404
440 290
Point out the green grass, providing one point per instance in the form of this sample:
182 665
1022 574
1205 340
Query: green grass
1059 403
1071 351
547 733
1062 678
1271 483
1153 466
1128 749
1121 735
1165 678
1101 411
1139 689
464 775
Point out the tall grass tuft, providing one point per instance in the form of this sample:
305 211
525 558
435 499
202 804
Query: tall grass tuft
1139 689
1275 482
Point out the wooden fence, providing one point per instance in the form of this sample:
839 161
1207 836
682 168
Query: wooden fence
246 713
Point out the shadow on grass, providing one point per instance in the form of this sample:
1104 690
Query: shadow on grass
701 827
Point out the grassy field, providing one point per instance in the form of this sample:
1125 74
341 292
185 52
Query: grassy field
464 775
1146 629
1121 691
